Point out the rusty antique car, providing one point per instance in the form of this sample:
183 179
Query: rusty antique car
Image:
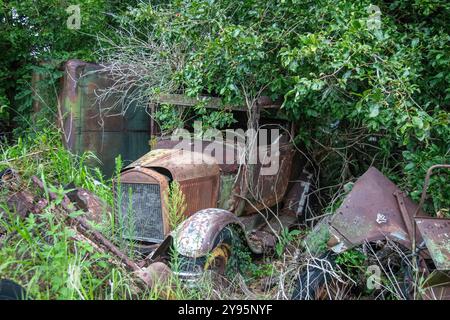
218 212
234 193
249 198
227 200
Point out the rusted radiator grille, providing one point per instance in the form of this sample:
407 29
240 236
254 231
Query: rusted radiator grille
141 204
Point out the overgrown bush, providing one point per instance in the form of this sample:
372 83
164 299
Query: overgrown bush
367 83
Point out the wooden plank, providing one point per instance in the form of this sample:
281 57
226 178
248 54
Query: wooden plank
212 102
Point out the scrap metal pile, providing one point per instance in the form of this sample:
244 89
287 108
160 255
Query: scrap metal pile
377 211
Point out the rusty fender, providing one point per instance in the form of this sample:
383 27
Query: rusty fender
195 236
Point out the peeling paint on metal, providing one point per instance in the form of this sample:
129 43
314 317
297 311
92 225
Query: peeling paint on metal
370 212
87 127
195 236
436 234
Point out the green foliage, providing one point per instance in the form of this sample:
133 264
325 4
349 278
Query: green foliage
352 261
362 95
34 36
240 260
213 118
286 237
316 240
169 118
176 204
351 258
42 251
41 254
263 270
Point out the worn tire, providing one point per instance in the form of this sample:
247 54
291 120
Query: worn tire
310 282
215 261
10 290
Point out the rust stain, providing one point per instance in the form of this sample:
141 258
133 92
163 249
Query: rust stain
227 164
198 179
270 189
197 174
195 236
86 124
371 212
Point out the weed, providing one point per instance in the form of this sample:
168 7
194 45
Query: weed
352 261
41 253
286 237
176 204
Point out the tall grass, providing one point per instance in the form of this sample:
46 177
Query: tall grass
48 256
42 252
49 259
176 204
43 154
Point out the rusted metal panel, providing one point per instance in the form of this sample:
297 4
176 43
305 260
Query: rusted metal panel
371 212
88 127
182 165
22 203
197 174
269 190
422 201
436 286
441 292
296 199
94 207
195 236
436 234
200 193
227 158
